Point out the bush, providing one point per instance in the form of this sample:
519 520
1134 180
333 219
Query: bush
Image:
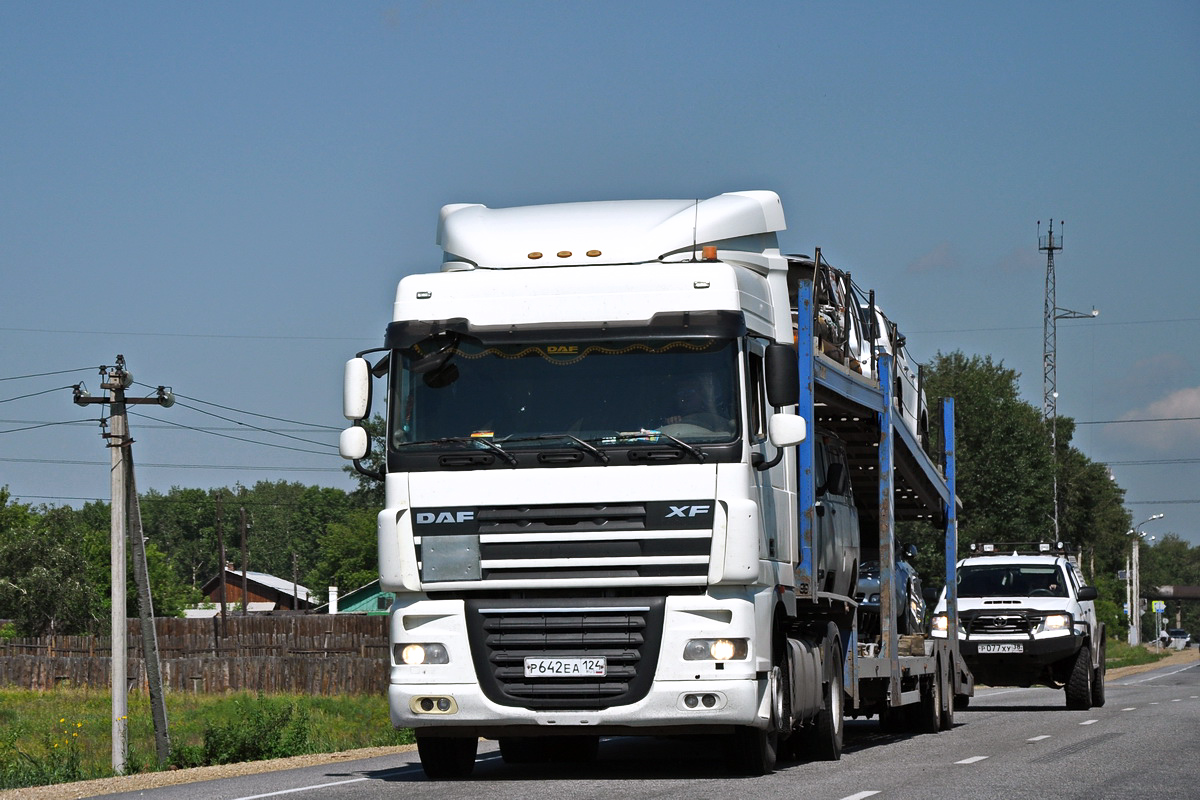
262 729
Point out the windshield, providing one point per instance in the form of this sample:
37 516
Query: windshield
451 388
1011 580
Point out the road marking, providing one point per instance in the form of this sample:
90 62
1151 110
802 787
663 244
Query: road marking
1177 699
861 795
302 789
1038 738
971 760
1131 708
1089 722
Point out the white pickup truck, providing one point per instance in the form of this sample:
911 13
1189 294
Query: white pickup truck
1025 620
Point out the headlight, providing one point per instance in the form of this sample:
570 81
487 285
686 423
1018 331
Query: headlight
416 654
1056 622
715 649
941 622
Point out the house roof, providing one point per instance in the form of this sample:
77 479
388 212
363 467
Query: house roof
264 579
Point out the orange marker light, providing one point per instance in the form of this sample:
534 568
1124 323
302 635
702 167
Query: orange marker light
710 252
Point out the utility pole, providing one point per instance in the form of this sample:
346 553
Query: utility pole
115 380
224 587
1049 245
242 524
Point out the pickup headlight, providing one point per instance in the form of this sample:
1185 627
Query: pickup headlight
1056 622
716 649
941 623
413 655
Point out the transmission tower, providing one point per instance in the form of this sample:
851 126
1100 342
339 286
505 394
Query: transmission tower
1049 245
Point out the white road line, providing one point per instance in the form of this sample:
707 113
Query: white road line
1038 738
302 789
1155 677
1177 699
1089 722
861 795
1131 708
971 760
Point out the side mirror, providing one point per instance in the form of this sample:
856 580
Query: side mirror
787 430
1088 593
356 391
353 444
783 375
835 479
909 551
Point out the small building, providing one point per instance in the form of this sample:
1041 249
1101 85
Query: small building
264 593
368 599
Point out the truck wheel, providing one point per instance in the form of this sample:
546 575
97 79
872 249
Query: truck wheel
825 734
1079 684
961 701
1098 680
447 758
754 751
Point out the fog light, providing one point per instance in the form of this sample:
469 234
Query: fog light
443 704
427 704
709 700
691 701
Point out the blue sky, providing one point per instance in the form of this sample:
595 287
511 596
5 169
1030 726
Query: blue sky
227 193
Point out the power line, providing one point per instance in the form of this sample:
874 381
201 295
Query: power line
35 394
246 424
44 374
153 426
71 462
248 413
49 424
1149 419
243 439
192 335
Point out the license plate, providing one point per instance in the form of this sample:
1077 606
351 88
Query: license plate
1001 648
565 667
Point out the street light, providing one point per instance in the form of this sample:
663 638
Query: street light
1135 583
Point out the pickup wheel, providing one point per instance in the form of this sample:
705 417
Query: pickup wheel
447 758
1098 680
1079 684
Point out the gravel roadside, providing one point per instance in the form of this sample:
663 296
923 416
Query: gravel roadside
151 780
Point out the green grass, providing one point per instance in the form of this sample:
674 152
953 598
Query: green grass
66 735
1121 654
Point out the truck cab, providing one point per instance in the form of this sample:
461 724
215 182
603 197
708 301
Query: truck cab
1027 618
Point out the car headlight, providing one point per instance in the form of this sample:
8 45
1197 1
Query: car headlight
941 622
1056 622
416 654
716 649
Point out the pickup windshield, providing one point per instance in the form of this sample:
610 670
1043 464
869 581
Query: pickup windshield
1011 580
450 390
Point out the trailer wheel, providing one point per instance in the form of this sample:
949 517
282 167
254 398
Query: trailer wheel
446 758
1079 685
827 728
931 702
948 700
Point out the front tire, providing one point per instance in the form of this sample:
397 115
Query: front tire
447 758
1079 684
1098 679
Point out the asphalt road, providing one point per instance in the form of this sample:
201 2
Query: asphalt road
1009 744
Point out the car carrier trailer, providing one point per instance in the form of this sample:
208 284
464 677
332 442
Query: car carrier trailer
634 456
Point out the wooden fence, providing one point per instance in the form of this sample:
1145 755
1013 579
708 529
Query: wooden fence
314 654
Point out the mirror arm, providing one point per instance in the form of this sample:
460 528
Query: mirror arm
370 473
761 463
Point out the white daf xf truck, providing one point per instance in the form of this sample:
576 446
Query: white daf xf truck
627 493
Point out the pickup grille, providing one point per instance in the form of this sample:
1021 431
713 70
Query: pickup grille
624 631
1010 623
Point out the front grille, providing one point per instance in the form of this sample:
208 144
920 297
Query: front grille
624 631
651 540
1011 624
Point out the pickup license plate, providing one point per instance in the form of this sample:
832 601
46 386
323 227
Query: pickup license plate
1001 648
565 667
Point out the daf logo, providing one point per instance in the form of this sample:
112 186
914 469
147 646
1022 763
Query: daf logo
562 349
442 517
687 511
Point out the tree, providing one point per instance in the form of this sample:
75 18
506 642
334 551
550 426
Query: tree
369 493
348 552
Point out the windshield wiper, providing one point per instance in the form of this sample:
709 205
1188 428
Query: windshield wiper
508 457
695 452
583 445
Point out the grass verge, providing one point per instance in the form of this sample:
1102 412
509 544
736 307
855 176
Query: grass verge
66 735
1122 654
